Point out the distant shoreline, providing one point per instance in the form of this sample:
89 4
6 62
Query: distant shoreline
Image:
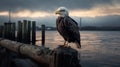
86 28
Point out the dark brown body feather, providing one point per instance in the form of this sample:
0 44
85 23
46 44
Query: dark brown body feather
68 29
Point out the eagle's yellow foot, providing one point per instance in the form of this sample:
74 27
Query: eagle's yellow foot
66 44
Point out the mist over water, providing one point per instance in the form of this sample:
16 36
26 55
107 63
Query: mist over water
99 48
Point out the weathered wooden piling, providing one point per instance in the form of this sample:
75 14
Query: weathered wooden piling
19 32
5 60
59 57
24 32
29 32
9 31
43 35
66 57
33 32
8 27
1 31
13 31
5 31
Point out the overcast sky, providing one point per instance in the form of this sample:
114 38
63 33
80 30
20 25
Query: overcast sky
92 12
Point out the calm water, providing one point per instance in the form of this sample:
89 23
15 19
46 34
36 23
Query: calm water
99 48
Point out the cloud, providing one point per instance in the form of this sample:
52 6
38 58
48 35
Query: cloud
50 5
79 8
94 12
4 13
30 14
42 11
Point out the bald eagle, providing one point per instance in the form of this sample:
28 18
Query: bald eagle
67 27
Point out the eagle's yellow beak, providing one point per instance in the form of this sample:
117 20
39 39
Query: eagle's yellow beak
57 12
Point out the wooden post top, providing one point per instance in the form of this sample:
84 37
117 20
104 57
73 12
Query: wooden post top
66 57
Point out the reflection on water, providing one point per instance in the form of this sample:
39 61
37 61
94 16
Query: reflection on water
99 48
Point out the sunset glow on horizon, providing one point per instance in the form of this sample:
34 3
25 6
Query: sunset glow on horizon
4 13
76 13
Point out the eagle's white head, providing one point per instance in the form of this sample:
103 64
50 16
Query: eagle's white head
62 11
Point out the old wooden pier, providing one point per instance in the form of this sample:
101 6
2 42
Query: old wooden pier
18 49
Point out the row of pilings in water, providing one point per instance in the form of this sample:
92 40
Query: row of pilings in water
22 31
